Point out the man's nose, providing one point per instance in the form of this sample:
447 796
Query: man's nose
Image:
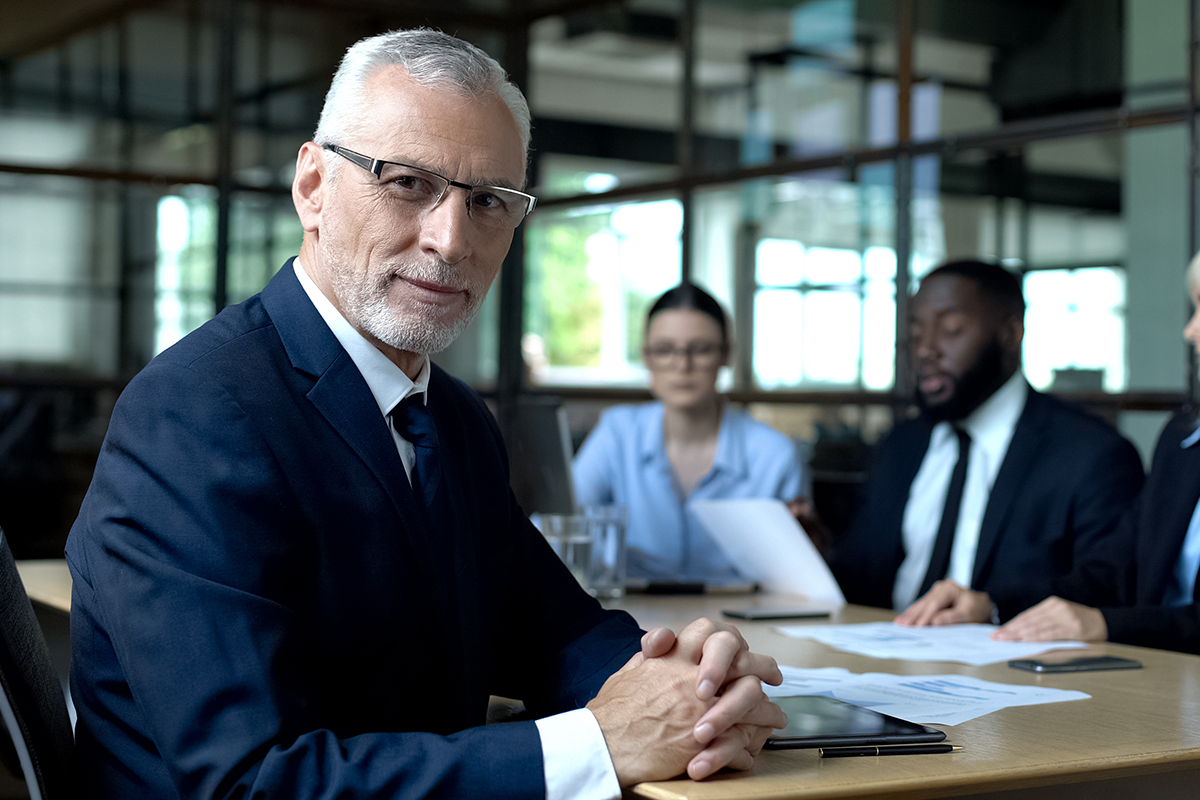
1191 331
924 345
446 228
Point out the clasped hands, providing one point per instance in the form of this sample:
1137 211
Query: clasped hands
692 702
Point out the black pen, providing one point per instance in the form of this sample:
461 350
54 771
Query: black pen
893 750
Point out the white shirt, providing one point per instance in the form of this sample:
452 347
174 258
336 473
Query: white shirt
990 427
575 758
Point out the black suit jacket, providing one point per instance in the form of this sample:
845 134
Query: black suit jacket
1148 544
259 610
1065 481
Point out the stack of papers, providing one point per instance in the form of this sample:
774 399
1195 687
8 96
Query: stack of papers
969 644
924 699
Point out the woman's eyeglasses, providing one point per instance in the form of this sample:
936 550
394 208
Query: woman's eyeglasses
700 354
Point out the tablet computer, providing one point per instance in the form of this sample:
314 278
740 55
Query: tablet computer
820 721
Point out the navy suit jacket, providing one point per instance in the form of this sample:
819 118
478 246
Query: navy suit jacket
1065 481
259 610
1149 540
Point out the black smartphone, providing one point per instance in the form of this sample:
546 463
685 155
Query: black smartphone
1081 664
775 613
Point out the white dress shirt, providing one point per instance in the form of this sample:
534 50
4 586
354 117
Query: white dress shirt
575 758
990 427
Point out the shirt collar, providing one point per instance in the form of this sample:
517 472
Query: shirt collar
992 423
651 445
1191 439
727 457
387 382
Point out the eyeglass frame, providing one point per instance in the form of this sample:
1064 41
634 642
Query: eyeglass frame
375 167
688 354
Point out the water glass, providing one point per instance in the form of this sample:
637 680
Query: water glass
609 526
570 536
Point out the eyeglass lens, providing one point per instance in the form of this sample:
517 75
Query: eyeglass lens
697 352
489 205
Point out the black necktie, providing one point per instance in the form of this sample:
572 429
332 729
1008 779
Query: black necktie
414 422
939 562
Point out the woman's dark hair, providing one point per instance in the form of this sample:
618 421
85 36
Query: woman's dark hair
691 296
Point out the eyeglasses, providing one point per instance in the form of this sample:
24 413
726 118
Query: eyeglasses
701 354
490 206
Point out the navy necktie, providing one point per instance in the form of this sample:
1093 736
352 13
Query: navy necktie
939 562
414 422
438 564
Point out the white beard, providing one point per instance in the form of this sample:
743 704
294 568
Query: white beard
367 306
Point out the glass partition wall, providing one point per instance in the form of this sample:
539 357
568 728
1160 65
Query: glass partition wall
806 161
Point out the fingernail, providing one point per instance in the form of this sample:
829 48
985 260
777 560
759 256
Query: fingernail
706 689
703 732
700 769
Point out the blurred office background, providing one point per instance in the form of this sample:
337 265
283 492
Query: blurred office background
804 160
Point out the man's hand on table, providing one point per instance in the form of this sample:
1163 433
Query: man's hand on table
692 702
1054 618
948 603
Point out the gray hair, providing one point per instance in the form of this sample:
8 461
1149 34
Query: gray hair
431 58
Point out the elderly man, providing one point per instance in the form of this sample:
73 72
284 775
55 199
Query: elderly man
995 497
299 570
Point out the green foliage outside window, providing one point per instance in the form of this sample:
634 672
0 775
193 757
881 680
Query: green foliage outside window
636 306
563 305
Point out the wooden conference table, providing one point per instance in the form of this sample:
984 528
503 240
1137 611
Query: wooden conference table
47 581
1138 735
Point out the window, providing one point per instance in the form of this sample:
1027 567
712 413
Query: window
1075 329
593 272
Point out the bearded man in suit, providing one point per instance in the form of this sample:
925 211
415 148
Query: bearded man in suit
996 496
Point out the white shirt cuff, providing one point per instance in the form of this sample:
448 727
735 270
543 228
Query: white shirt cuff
575 758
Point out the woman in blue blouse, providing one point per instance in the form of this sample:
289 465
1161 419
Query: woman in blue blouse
656 458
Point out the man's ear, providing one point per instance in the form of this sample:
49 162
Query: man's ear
1012 333
309 186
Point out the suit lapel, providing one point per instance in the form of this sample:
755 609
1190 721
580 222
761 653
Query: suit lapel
460 544
912 454
907 453
1159 546
341 395
442 560
353 413
1023 451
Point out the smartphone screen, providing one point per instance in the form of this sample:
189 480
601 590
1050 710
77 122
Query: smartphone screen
1081 664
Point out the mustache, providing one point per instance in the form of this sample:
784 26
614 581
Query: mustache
432 271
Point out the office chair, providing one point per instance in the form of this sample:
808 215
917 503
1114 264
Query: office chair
32 702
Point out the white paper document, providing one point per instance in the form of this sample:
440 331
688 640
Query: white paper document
924 699
767 545
969 644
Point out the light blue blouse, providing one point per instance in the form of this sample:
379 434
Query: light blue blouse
623 461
